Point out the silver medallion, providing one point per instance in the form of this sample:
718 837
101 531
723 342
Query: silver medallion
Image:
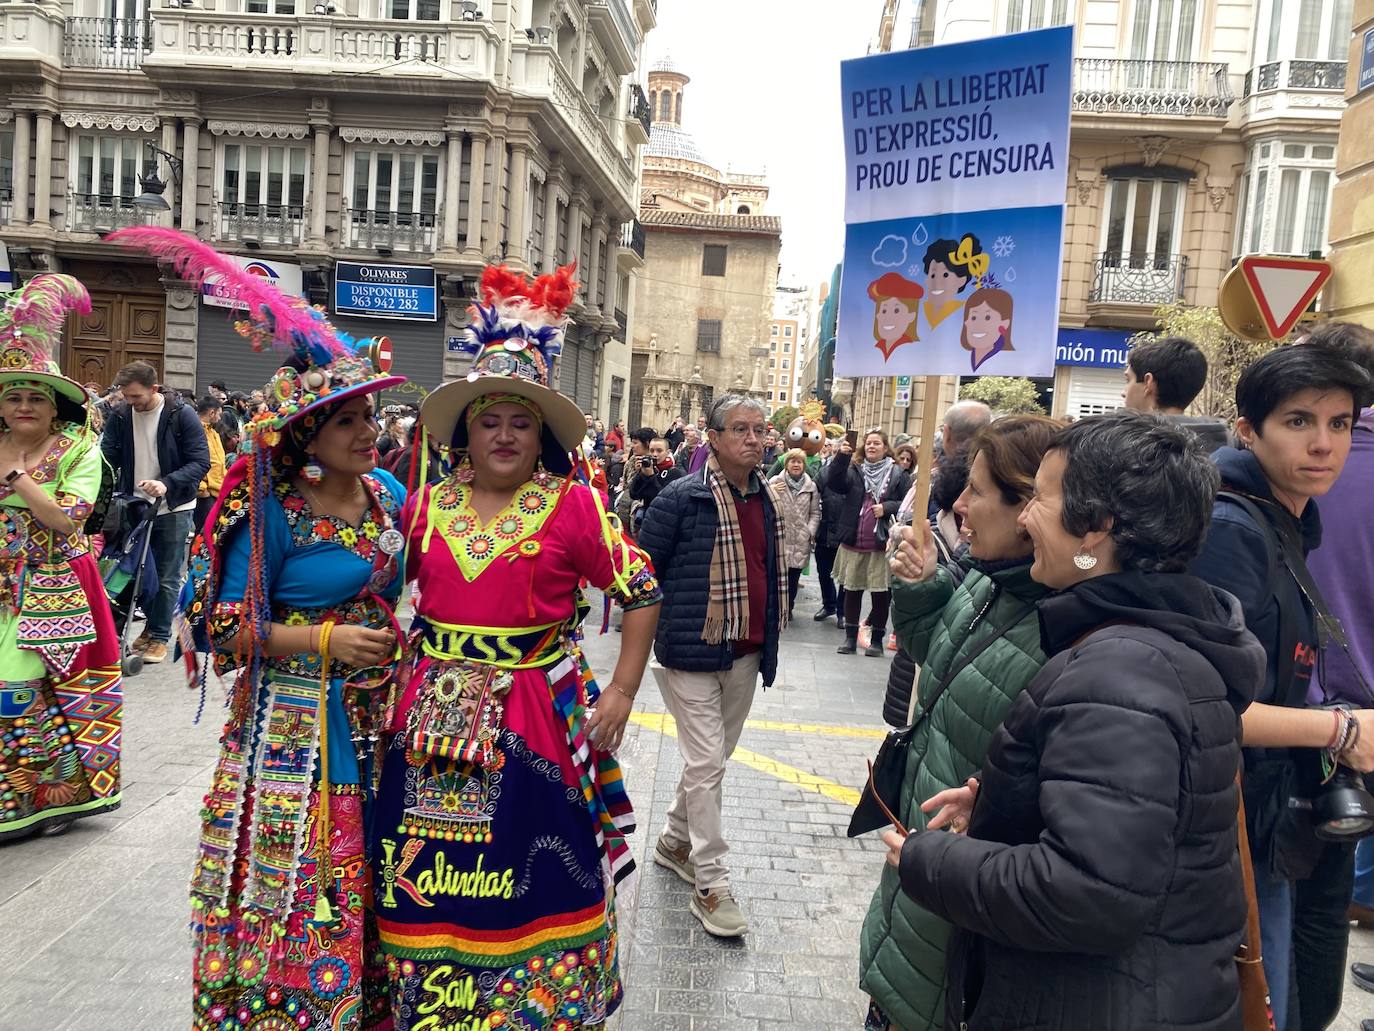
391 541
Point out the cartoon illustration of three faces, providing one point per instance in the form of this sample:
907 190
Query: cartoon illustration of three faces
950 266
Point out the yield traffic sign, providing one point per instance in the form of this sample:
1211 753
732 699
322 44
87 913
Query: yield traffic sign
1282 288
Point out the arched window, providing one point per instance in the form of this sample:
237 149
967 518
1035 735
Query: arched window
665 106
743 209
678 119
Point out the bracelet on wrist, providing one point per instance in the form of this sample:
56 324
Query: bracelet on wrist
616 687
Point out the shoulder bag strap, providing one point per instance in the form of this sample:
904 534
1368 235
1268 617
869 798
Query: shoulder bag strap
998 632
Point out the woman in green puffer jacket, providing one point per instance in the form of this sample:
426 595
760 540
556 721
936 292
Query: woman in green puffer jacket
902 949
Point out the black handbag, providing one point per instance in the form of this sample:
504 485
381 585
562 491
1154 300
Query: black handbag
884 786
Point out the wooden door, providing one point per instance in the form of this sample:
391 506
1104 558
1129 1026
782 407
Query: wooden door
127 323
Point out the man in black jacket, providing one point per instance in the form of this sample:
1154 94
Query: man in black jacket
718 631
157 448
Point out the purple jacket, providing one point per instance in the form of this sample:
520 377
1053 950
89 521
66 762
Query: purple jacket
1343 567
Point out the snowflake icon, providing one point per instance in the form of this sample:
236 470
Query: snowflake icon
1003 246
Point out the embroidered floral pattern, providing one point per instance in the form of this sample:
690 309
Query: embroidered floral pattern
474 546
308 528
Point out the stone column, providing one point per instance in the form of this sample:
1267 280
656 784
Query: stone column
42 169
552 183
169 144
452 184
519 200
478 162
319 181
494 232
190 172
610 298
575 201
20 207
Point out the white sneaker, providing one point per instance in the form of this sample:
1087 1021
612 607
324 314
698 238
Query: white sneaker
719 913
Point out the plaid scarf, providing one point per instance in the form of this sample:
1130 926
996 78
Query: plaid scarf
727 606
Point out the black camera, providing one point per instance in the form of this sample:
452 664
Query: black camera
646 462
1343 809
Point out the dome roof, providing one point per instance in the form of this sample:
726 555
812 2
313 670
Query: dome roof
667 140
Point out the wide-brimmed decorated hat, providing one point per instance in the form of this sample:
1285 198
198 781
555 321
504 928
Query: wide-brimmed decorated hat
29 319
514 335
326 366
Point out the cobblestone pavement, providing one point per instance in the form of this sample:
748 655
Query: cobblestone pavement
93 923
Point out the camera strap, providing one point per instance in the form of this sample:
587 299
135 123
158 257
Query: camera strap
1282 528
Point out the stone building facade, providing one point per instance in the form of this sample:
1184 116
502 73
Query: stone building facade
434 135
1201 130
703 301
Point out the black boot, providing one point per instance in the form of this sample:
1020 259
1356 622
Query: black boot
825 613
839 619
851 641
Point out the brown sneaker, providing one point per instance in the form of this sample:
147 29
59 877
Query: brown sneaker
155 652
141 642
1361 915
719 913
678 860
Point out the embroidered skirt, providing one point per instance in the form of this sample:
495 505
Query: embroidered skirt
494 873
60 732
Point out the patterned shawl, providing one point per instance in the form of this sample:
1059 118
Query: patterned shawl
727 607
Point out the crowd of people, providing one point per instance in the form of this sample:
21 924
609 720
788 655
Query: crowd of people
1117 644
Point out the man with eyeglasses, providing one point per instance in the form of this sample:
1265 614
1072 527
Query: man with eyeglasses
715 538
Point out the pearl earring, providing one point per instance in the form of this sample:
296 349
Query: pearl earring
1084 560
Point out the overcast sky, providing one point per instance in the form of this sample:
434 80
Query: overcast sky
765 96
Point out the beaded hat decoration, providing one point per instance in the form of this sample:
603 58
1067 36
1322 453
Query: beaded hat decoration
30 318
515 334
327 365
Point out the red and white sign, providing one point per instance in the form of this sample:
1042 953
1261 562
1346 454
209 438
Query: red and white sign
1283 288
284 275
382 354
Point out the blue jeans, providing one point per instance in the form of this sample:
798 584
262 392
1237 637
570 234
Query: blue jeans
1274 896
1364 873
167 551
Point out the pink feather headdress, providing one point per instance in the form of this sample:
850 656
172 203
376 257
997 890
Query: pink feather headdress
37 310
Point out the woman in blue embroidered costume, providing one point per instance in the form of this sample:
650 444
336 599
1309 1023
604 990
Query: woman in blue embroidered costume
292 588
501 819
60 694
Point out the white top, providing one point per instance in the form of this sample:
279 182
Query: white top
146 464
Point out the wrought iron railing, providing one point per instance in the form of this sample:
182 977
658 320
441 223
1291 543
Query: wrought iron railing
6 203
632 236
1301 75
1105 85
621 321
261 223
1139 278
101 212
106 42
639 107
394 230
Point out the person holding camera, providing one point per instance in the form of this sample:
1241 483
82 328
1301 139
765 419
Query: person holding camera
651 473
1296 412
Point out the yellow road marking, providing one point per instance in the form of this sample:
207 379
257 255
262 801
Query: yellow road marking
665 724
658 721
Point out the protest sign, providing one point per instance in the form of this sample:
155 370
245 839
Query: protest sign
956 165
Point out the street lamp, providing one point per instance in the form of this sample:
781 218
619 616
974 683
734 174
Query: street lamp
153 186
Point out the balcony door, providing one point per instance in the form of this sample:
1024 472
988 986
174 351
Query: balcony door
1141 239
395 198
262 192
105 181
1162 42
411 10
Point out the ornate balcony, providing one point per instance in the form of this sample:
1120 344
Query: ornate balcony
1317 76
196 46
106 42
537 72
631 253
1151 279
104 213
30 35
380 229
641 116
621 322
1171 88
611 21
263 224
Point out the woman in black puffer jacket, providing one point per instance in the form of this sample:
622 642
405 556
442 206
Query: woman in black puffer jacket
1099 885
828 543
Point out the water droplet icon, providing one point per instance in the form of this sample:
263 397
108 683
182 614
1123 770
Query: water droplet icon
920 236
1010 277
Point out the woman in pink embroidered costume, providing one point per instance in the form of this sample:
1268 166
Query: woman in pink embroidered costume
501 820
292 586
60 701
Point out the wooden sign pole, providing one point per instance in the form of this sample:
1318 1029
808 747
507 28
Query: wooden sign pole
925 469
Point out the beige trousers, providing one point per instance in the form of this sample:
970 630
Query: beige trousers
710 710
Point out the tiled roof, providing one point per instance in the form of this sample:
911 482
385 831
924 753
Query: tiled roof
667 140
767 224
